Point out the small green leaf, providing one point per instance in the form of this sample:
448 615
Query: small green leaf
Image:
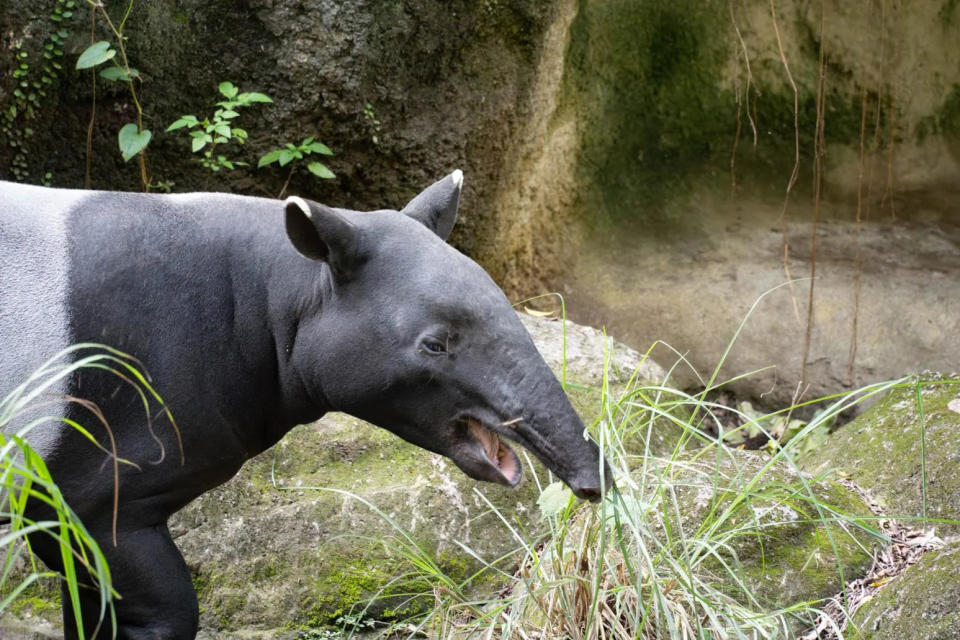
114 73
319 147
185 121
554 499
269 158
97 53
247 98
286 156
222 129
320 170
227 114
228 89
200 142
132 141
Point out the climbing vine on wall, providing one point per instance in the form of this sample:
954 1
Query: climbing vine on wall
34 75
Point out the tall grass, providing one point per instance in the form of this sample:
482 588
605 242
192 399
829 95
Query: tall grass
25 480
641 564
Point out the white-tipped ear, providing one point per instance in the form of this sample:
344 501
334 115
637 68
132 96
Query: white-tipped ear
321 233
436 206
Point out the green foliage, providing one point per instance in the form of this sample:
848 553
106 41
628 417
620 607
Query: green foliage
33 78
218 129
96 54
292 153
373 122
132 138
132 141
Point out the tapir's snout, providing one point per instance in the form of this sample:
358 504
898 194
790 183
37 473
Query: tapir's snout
587 484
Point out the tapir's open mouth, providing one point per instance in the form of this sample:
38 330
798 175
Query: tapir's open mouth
482 455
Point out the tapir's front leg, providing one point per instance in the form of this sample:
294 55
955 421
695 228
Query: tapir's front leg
157 602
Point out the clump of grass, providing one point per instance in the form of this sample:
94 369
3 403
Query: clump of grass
26 482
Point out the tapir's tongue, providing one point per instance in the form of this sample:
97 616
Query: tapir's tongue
497 454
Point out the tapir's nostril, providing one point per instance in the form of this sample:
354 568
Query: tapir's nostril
593 495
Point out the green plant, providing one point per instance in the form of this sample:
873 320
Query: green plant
372 121
291 154
24 478
218 129
32 82
133 137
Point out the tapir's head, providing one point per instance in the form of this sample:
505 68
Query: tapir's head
415 337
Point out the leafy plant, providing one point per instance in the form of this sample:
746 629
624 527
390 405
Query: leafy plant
291 154
218 129
371 117
133 137
32 79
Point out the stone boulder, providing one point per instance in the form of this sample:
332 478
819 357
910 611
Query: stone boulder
882 451
924 602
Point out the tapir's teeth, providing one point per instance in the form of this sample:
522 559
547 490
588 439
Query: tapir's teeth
488 440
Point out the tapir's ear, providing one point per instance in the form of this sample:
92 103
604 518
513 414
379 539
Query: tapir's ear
321 233
436 206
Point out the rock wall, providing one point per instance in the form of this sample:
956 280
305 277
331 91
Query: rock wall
634 156
688 137
449 85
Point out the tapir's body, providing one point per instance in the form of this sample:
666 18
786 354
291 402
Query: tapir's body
245 338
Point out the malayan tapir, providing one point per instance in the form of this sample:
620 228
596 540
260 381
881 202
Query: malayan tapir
251 316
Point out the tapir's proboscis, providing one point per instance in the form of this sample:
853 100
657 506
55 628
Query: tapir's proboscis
251 316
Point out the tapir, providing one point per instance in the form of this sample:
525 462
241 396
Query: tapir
251 316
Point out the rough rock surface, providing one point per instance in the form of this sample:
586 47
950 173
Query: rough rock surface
924 602
403 92
882 452
787 555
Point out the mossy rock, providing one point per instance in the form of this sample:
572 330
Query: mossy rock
923 602
882 451
786 553
298 554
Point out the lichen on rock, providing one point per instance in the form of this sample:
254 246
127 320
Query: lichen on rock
924 602
888 449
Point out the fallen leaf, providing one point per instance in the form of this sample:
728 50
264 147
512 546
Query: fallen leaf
954 405
537 314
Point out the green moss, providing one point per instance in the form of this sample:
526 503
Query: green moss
41 598
948 116
924 602
649 83
882 449
641 75
817 557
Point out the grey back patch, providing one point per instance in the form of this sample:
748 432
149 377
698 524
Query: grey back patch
34 281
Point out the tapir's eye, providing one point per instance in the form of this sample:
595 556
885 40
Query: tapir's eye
433 346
